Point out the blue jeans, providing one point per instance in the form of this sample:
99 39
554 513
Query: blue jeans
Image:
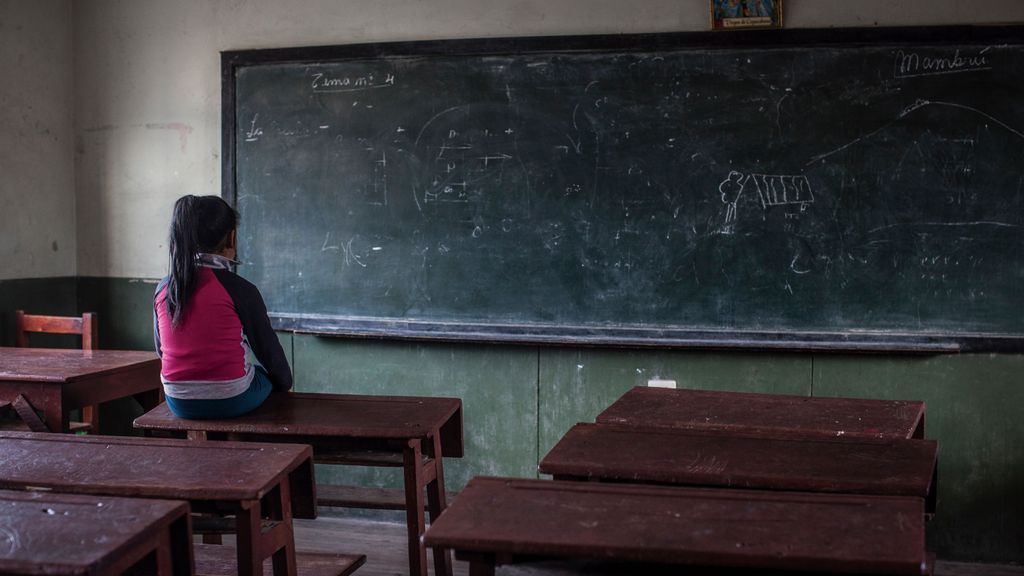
204 409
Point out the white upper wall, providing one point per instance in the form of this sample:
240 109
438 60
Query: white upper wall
147 112
37 191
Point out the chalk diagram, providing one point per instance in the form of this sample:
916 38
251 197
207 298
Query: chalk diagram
912 195
463 160
771 189
795 189
917 105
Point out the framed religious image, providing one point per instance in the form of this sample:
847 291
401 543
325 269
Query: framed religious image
738 14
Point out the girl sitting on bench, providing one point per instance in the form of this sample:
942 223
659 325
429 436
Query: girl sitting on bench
219 355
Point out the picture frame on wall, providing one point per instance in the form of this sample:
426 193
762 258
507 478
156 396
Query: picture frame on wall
745 14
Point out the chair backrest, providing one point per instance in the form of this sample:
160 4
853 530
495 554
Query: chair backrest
85 325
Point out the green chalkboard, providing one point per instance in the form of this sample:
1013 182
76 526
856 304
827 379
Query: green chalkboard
852 188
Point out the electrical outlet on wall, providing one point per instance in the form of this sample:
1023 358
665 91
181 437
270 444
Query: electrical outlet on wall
661 383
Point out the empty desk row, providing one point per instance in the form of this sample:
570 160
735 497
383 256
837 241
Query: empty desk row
747 483
258 485
410 433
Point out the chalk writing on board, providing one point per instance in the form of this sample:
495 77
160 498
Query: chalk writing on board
450 192
957 167
772 190
321 82
450 158
254 132
487 159
912 64
379 181
917 105
466 162
352 256
327 247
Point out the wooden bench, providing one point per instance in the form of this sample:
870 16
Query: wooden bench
894 467
215 560
75 535
502 520
757 413
251 482
412 433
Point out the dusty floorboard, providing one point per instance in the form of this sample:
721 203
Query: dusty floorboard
384 546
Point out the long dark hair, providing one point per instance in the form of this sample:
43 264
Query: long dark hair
199 224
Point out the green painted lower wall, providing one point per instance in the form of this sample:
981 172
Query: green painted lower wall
519 400
497 385
56 296
974 408
124 308
577 384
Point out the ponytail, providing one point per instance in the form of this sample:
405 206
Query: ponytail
198 224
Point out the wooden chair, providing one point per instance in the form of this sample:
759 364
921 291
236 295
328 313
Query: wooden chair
86 326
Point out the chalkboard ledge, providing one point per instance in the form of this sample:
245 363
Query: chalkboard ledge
637 336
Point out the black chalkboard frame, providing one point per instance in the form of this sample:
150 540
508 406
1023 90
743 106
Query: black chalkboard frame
633 336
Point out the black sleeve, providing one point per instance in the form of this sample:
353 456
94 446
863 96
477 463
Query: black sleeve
156 323
256 325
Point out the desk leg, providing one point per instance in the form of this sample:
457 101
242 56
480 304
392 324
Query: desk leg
413 468
918 432
303 491
164 561
181 546
277 542
279 508
436 503
200 436
247 519
57 418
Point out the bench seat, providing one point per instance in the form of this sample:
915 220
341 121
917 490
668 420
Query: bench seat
339 496
216 560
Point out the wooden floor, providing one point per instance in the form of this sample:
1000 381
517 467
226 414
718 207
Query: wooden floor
384 546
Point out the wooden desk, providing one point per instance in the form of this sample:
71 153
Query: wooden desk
64 534
746 412
56 381
400 431
246 480
502 520
893 467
